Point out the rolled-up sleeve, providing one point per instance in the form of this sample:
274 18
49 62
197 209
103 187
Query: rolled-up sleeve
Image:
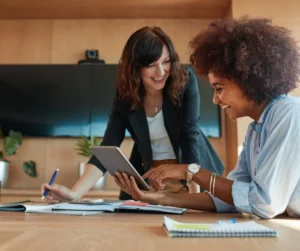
240 191
221 206
240 177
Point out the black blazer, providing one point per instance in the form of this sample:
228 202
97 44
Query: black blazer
182 125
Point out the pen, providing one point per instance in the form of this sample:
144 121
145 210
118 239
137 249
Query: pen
229 221
50 183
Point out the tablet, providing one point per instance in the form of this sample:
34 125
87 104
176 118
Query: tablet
114 161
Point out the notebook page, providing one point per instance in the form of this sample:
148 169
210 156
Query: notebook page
172 225
109 207
37 207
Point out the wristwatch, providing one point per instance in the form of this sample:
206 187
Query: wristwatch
192 169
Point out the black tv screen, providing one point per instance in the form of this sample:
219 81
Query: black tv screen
72 100
45 100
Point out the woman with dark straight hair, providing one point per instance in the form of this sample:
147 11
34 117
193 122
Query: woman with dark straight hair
158 102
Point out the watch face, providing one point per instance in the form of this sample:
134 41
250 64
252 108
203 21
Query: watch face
194 168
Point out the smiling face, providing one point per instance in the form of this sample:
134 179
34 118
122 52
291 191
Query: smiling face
232 99
155 75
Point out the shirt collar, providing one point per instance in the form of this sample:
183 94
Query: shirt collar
257 126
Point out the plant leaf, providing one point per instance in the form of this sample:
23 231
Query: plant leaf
16 135
95 141
12 142
10 145
83 145
29 168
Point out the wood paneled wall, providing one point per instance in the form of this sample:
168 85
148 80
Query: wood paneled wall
64 42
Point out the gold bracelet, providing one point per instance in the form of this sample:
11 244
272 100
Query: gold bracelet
213 185
210 182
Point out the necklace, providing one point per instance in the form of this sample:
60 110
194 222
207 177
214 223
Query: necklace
151 109
153 105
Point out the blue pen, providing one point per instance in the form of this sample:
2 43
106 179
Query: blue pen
50 183
229 221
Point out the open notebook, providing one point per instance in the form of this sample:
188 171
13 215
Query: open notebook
119 206
41 208
243 229
89 208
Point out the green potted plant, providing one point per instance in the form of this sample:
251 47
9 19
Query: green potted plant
83 148
11 143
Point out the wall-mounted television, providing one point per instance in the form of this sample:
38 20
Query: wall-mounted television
72 100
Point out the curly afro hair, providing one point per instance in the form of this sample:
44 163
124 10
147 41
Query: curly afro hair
261 58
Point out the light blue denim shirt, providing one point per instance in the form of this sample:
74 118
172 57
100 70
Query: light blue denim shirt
267 175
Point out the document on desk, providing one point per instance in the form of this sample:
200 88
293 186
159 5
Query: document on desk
243 229
91 208
119 206
149 208
41 208
24 207
86 206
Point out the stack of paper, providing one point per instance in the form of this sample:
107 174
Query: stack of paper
243 229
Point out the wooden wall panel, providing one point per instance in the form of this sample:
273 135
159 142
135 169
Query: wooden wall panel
71 37
65 41
23 42
29 150
133 9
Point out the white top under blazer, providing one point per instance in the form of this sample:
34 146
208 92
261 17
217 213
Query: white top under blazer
159 138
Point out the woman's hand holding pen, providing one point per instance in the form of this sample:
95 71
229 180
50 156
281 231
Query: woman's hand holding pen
158 176
58 193
128 185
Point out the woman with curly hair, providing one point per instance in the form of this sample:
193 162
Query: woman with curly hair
158 102
251 65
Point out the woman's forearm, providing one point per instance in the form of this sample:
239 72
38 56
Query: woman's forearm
223 187
87 180
197 201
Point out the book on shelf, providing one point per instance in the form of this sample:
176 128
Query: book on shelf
242 229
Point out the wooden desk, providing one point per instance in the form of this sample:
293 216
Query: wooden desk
124 231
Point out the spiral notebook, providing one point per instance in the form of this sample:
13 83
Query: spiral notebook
243 229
